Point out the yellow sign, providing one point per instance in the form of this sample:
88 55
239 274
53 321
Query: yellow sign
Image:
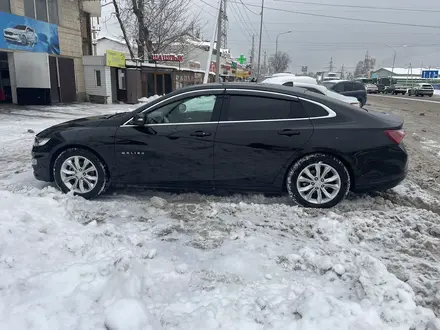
114 59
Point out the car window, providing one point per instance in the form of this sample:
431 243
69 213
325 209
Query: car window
20 27
196 109
348 86
339 87
314 90
314 110
358 87
242 107
288 84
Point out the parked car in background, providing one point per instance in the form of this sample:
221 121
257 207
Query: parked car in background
229 137
371 89
319 89
395 89
421 89
348 88
21 34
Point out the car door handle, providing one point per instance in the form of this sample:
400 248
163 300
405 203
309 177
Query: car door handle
200 133
288 132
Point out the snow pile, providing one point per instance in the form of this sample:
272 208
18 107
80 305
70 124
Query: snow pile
148 99
73 264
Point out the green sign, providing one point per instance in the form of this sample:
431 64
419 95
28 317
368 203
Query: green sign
241 59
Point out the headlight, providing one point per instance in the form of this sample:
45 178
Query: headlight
40 141
356 104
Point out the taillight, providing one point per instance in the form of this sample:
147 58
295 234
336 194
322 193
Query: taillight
396 136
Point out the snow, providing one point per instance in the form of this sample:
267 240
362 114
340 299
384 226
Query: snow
148 99
138 259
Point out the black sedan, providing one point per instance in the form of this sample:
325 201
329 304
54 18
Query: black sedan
229 137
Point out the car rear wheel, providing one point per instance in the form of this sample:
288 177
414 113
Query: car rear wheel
80 171
318 181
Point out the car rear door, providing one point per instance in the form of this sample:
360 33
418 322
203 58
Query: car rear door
176 146
258 133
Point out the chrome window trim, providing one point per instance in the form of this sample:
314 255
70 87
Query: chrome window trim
331 113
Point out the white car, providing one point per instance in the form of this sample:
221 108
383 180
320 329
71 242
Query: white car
21 34
315 88
280 78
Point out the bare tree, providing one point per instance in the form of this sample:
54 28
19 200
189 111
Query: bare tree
124 32
157 25
279 62
364 67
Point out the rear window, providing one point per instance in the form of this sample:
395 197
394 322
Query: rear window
358 87
426 86
242 107
314 110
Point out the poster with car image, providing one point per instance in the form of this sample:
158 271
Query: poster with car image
27 34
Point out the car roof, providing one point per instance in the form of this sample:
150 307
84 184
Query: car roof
289 78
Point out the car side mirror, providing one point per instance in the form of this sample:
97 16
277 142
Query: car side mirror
139 119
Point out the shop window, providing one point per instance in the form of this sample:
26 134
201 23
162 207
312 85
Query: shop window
98 78
42 10
5 6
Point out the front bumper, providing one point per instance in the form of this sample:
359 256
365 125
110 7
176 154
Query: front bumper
41 166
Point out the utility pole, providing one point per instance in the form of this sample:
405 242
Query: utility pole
331 64
394 61
251 60
367 63
224 26
261 35
219 40
342 72
265 61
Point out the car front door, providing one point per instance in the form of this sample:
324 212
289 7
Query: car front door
257 135
175 146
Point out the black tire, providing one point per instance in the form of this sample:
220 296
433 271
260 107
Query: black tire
409 93
103 181
430 95
296 169
23 39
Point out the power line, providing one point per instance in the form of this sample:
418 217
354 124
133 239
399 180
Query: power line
241 19
240 23
360 7
346 18
208 4
245 6
249 20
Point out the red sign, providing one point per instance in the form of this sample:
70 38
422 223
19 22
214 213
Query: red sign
167 57
212 67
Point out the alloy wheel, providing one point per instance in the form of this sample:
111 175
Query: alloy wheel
79 174
318 183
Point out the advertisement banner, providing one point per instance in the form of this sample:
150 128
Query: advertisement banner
114 59
27 34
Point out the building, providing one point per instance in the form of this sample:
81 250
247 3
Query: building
41 49
398 73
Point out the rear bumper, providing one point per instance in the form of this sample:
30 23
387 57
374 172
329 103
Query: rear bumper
381 169
422 92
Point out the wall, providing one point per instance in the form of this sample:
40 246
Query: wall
92 64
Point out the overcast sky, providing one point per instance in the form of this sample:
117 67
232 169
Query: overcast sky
314 39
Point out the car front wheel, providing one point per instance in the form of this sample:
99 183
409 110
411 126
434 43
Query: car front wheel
80 171
318 181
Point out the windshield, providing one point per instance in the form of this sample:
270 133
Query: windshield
20 27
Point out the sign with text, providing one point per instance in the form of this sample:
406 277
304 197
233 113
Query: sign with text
430 74
114 59
167 57
28 34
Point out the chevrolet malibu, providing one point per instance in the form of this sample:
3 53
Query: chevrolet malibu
229 137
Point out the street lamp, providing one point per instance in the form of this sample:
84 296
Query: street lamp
394 57
276 45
